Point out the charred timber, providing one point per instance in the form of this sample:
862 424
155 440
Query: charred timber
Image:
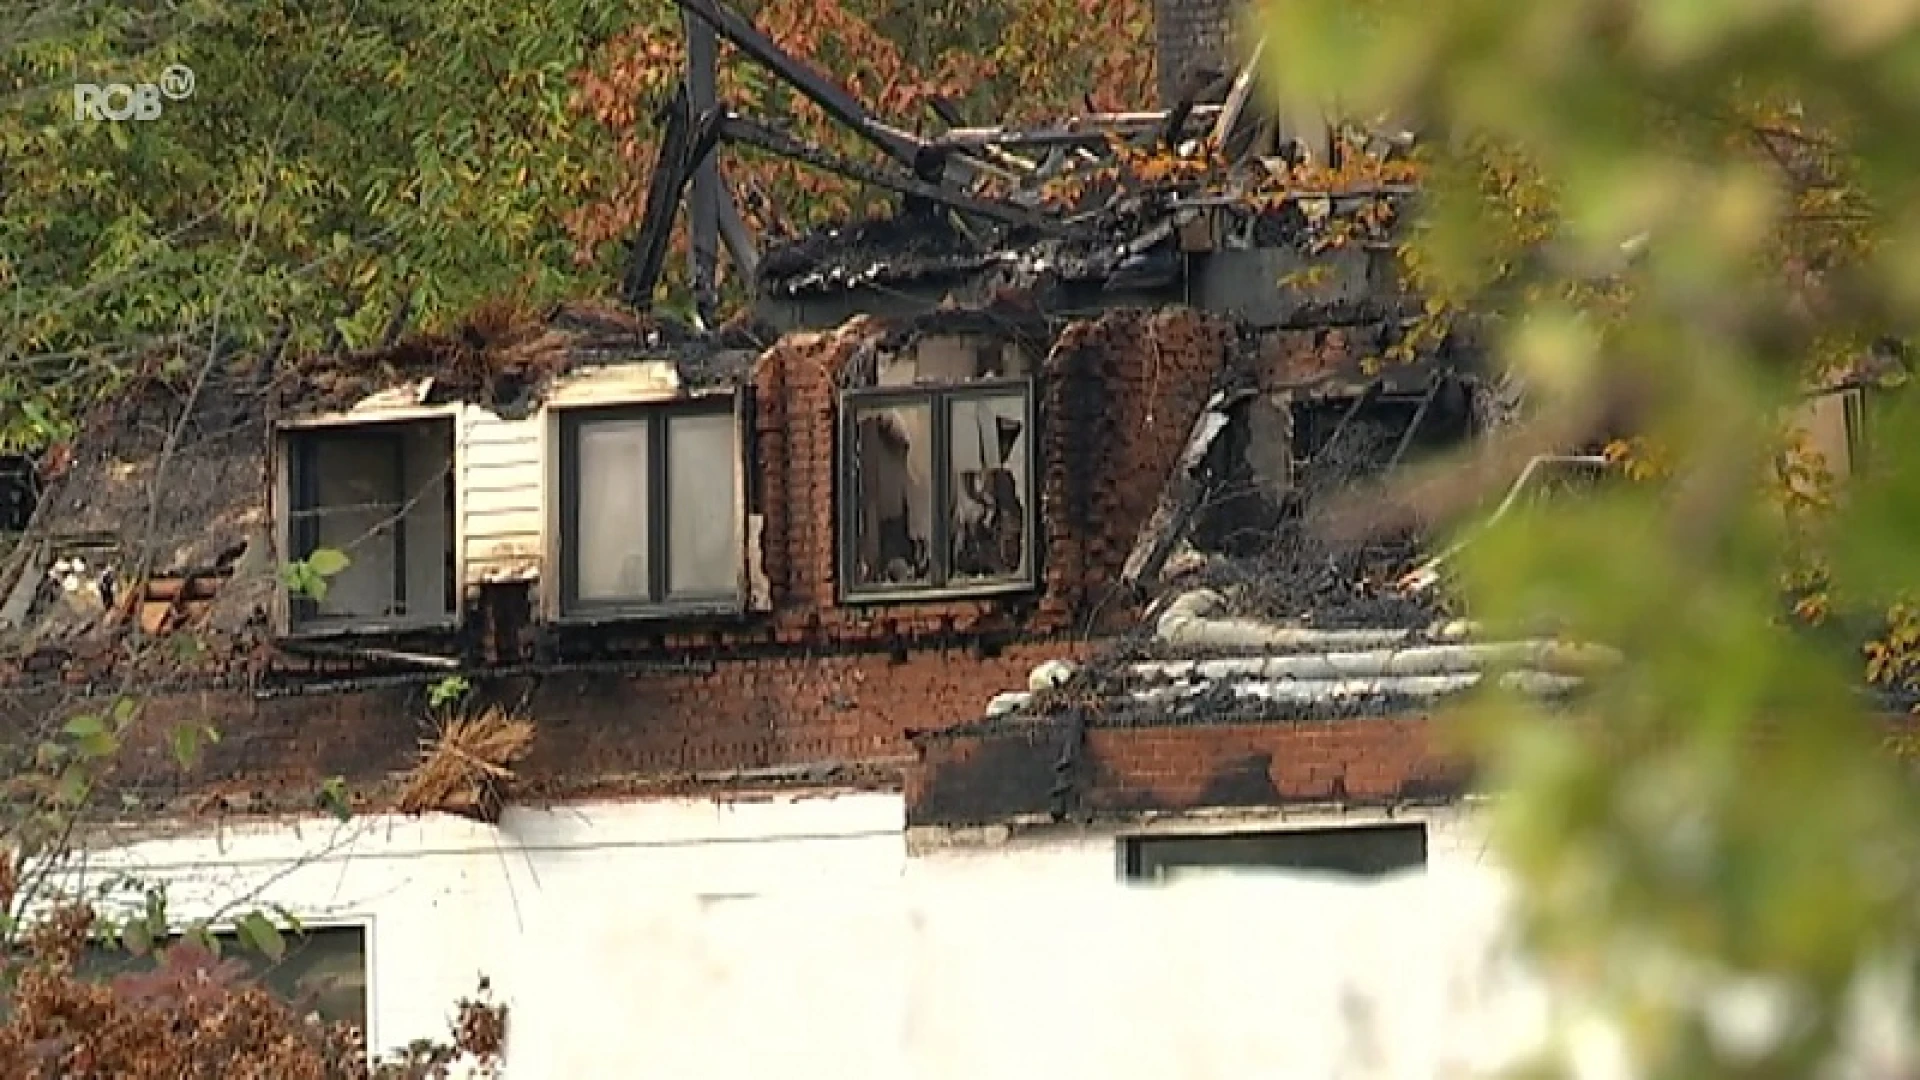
751 132
1092 130
819 89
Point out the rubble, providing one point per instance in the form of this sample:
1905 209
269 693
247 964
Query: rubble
1110 202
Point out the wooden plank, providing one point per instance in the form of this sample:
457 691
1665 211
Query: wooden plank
1181 494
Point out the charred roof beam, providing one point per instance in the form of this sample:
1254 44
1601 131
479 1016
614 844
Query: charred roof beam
683 146
1092 130
748 131
903 147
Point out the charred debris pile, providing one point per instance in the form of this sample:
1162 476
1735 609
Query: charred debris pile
1110 199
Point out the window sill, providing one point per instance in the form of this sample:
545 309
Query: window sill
898 595
652 613
324 629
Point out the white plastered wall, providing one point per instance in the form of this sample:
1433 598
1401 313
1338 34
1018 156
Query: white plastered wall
652 927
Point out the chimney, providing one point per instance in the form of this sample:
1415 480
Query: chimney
1191 35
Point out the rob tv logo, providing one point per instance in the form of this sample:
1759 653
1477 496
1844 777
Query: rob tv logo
136 101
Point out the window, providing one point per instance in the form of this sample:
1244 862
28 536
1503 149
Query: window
941 485
381 494
650 509
323 970
1363 851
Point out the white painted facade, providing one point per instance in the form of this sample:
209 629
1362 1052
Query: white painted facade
653 927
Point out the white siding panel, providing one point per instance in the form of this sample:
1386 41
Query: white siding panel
502 473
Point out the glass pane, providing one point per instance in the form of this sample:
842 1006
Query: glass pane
703 539
611 529
356 499
893 521
988 479
429 518
324 969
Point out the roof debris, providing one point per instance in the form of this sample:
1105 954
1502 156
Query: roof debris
1107 200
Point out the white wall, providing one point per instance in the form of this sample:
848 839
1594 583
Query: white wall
446 900
1208 979
710 939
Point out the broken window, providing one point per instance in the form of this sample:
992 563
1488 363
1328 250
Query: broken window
942 489
1355 851
1340 439
953 358
649 499
380 494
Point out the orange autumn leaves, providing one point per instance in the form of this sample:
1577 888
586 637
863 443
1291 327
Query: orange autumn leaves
1003 62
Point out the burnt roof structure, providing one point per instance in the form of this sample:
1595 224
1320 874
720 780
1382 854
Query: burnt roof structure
1211 200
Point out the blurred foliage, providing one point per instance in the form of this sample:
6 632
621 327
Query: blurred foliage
1691 213
343 162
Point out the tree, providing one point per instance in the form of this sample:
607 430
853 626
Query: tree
1689 214
344 169
352 168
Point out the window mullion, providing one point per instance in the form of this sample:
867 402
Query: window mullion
942 500
306 525
656 504
400 526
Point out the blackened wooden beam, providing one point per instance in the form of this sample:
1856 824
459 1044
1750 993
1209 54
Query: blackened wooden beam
735 234
649 252
742 129
703 202
819 89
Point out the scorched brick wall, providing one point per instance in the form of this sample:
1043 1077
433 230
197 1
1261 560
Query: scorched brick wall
1117 397
1192 34
599 733
814 681
1021 769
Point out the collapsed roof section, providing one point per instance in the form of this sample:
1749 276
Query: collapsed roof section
1212 202
158 515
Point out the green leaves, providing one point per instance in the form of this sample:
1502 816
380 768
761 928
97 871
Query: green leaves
92 738
308 577
188 740
327 562
448 691
1722 803
299 146
257 932
333 798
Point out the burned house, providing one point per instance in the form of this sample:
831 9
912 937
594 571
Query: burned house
970 439
993 524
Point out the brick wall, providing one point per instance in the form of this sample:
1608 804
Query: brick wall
993 774
1117 397
814 681
598 733
1190 34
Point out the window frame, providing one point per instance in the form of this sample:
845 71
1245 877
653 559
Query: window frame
938 399
227 934
297 527
569 608
1133 859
